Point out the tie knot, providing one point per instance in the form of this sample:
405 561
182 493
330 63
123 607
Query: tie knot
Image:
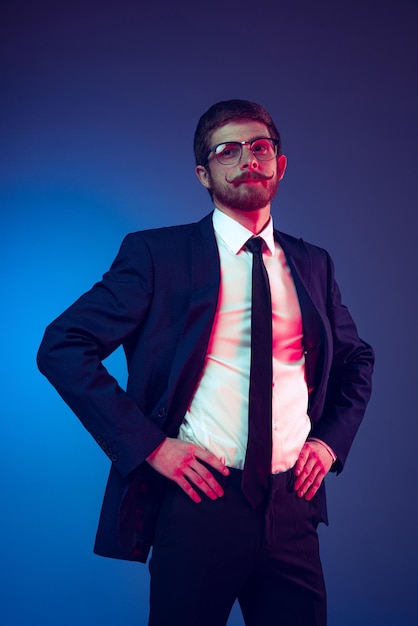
255 244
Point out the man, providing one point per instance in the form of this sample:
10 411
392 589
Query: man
247 384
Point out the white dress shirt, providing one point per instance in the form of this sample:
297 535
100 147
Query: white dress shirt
217 418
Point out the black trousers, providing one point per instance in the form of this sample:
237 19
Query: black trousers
207 555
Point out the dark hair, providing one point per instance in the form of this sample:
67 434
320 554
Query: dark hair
228 111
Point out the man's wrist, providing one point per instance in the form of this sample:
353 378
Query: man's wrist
326 446
151 456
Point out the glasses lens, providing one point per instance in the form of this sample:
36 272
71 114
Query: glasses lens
264 149
228 153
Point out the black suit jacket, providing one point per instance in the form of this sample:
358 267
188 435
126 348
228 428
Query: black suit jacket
159 300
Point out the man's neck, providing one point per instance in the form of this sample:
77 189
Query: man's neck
254 221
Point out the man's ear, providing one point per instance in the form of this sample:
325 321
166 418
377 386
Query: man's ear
281 166
203 176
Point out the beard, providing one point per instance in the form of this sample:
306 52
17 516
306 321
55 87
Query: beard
238 195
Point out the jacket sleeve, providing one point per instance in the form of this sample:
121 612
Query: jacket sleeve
349 382
76 343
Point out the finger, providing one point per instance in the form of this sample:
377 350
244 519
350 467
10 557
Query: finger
209 487
302 460
211 459
305 474
191 478
314 487
203 478
188 489
312 484
300 463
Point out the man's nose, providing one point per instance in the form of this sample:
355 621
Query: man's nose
248 160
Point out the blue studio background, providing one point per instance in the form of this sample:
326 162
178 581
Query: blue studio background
99 105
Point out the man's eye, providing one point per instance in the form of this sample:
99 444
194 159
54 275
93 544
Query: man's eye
261 147
228 151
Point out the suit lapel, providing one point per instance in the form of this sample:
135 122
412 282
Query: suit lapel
191 349
314 332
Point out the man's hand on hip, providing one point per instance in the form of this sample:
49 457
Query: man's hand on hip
313 464
180 461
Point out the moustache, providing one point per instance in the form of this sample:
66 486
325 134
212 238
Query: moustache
247 176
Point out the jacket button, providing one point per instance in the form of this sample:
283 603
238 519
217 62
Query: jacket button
161 412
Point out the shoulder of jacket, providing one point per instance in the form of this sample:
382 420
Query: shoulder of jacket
300 243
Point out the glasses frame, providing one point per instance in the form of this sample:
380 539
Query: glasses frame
276 143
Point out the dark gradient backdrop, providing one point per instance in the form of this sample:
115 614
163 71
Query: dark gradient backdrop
99 103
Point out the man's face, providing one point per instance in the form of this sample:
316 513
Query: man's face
248 185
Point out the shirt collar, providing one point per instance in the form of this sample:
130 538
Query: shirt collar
235 235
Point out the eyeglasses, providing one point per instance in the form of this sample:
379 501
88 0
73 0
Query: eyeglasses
229 153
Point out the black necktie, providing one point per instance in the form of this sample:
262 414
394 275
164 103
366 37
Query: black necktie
257 465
